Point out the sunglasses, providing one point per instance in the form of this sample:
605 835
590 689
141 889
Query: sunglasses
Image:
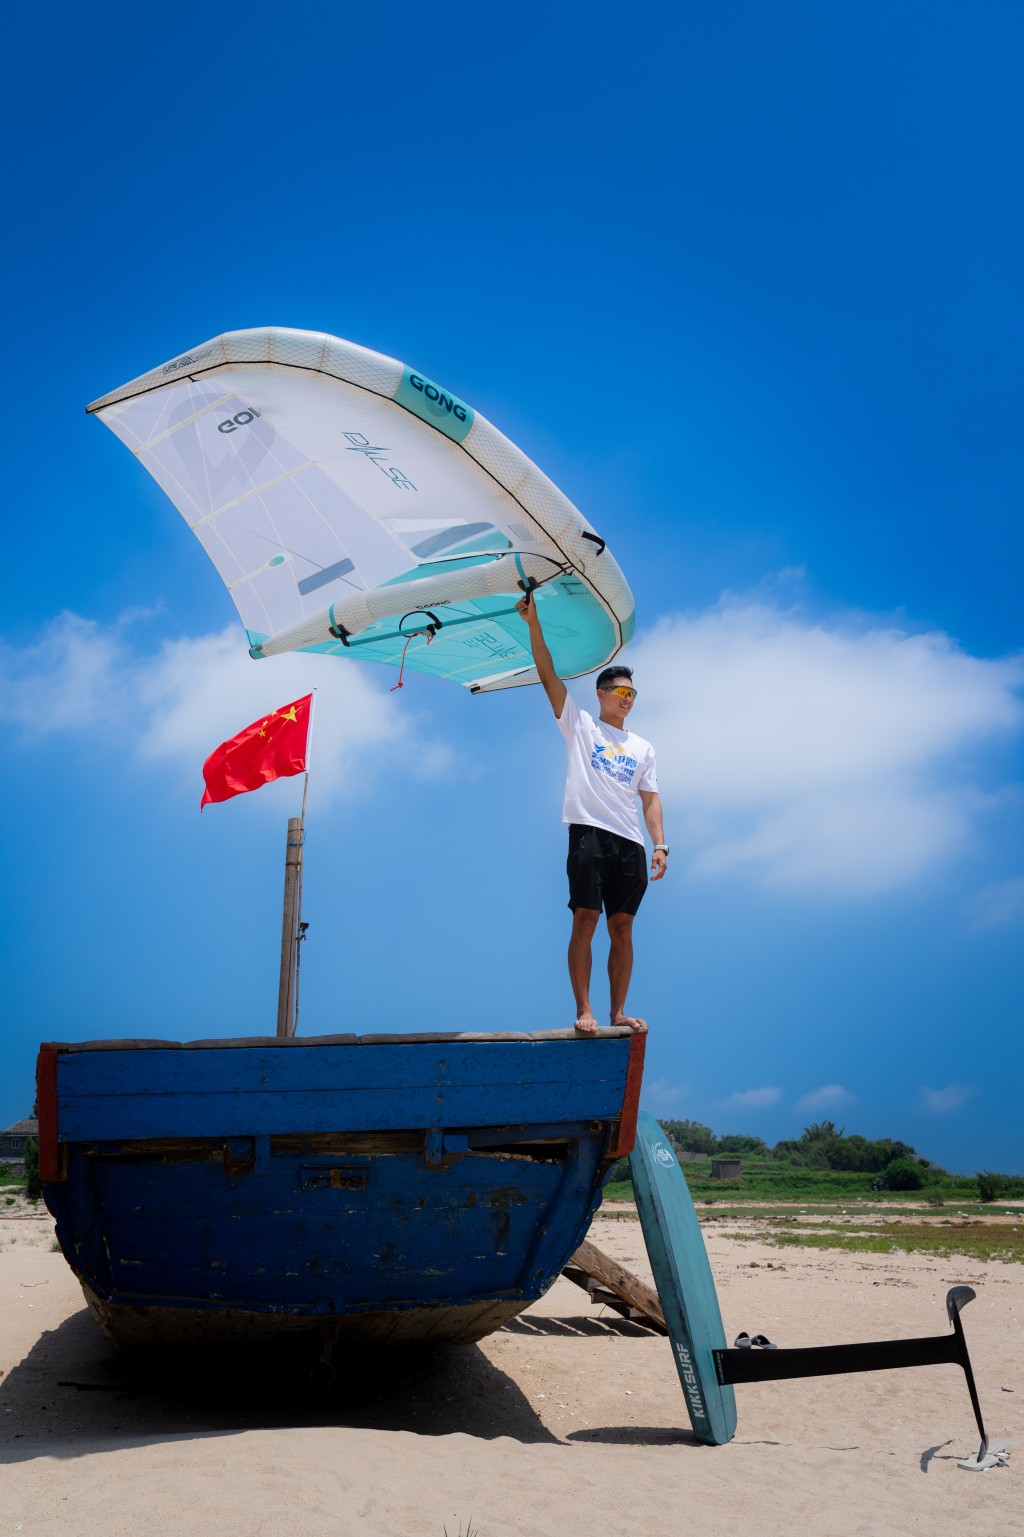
623 693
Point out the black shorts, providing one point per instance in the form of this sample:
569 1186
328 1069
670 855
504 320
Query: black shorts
605 870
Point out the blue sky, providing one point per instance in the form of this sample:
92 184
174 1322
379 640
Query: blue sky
745 283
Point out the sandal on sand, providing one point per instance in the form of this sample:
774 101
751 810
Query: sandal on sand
745 1341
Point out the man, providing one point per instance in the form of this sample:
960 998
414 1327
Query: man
609 766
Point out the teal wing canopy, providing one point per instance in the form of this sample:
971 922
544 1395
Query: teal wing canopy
355 508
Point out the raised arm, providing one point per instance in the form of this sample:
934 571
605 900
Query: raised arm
526 608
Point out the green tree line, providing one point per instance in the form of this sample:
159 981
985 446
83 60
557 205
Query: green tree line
825 1148
820 1146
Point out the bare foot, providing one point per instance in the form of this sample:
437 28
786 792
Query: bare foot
586 1024
638 1026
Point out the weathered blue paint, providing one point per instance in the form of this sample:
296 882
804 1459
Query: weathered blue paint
200 1093
320 1183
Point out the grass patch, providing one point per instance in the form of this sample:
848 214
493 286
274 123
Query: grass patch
811 1212
767 1179
802 1185
977 1241
727 1202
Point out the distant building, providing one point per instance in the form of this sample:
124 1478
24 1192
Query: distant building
13 1140
725 1168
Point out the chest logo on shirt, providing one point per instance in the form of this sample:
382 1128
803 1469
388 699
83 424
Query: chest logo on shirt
613 760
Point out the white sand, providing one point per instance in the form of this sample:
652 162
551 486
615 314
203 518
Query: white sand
570 1422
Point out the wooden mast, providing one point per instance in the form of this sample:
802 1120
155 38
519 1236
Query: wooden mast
289 928
293 930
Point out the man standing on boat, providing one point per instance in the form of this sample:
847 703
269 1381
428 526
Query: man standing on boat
609 766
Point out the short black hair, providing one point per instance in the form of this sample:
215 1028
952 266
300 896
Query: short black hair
606 678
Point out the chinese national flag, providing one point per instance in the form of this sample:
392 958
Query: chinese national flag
271 748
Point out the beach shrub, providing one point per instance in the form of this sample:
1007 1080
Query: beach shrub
989 1185
33 1184
691 1136
735 1143
822 1146
901 1174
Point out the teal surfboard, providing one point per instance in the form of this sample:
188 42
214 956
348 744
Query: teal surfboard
682 1274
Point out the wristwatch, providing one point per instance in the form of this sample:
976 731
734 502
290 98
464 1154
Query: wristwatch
662 846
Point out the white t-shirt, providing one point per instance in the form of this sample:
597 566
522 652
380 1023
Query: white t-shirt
607 767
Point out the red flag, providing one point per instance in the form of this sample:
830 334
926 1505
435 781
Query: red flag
271 748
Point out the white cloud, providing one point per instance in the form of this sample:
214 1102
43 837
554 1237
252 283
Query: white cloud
752 1099
661 1096
794 753
829 1097
814 755
943 1101
69 680
997 906
176 705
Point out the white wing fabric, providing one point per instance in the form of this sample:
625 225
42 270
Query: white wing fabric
348 503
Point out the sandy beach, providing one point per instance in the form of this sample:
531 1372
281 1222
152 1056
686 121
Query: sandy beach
569 1421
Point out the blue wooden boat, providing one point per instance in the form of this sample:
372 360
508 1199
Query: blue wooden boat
404 1188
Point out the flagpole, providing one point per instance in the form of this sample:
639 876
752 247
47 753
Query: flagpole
300 927
293 930
289 929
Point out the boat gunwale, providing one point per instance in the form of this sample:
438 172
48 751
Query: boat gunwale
432 1037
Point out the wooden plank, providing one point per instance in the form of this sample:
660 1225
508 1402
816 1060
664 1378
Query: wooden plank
121 1095
141 1115
631 1099
482 1065
303 1042
46 1111
590 1259
600 1296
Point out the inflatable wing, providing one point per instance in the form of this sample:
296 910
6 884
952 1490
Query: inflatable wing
353 507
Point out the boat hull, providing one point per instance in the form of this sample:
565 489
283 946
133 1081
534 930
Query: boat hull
143 1329
390 1189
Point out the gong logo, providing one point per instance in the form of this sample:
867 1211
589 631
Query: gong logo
242 419
442 404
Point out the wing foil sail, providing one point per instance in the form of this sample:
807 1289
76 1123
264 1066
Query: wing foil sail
336 491
358 611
